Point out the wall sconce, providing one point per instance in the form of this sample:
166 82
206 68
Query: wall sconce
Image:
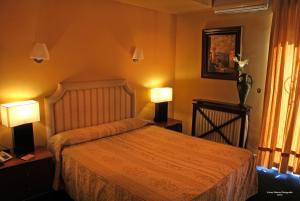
138 55
19 116
39 53
161 97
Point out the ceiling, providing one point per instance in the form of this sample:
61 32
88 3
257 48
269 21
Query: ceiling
171 6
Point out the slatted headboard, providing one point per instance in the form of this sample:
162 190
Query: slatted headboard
82 104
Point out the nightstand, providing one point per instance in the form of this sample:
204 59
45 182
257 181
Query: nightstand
172 124
22 180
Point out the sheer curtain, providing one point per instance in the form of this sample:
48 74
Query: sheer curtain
280 137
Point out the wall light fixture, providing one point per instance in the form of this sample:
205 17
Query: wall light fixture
39 53
138 55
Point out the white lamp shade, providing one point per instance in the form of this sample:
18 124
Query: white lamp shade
18 113
163 94
138 54
40 52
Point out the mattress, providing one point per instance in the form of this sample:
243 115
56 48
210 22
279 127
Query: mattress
154 164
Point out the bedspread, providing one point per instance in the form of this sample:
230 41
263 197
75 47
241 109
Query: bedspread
156 164
59 141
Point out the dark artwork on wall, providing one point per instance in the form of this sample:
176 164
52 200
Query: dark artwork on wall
219 46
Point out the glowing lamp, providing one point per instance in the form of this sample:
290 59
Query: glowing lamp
18 113
19 116
161 97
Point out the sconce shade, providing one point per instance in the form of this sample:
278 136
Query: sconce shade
40 53
159 95
18 113
138 54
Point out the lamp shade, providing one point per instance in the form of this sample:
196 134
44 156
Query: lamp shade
40 52
18 113
138 54
163 94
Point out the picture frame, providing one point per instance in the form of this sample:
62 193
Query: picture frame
219 46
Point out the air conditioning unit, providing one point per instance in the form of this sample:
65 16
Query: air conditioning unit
239 6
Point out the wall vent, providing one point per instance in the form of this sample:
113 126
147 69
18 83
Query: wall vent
239 6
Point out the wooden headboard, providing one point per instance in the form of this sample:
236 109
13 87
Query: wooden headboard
82 104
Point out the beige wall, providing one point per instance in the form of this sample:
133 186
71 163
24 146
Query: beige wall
188 82
87 40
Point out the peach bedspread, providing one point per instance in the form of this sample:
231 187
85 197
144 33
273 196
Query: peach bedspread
155 164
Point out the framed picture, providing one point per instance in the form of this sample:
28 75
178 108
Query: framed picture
219 46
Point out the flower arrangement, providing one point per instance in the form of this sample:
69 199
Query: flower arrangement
241 63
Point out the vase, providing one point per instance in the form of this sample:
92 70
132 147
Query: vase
244 84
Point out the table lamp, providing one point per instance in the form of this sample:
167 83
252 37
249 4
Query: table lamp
19 116
161 96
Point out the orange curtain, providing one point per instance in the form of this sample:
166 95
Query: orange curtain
280 137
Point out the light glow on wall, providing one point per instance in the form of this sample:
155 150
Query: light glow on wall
154 82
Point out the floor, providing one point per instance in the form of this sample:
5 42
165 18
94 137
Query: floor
272 187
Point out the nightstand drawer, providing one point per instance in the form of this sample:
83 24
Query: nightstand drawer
172 124
13 183
21 180
176 127
40 176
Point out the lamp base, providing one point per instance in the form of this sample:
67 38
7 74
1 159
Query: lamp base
161 112
23 142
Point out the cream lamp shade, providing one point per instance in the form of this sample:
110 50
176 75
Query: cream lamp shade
138 54
18 113
40 53
159 95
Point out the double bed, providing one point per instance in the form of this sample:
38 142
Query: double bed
103 153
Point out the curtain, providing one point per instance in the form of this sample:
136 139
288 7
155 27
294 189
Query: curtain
280 135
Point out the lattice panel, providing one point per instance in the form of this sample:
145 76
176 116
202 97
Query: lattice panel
230 131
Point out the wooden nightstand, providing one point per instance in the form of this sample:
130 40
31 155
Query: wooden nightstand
21 180
172 124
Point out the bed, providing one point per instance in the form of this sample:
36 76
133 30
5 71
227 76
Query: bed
102 152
